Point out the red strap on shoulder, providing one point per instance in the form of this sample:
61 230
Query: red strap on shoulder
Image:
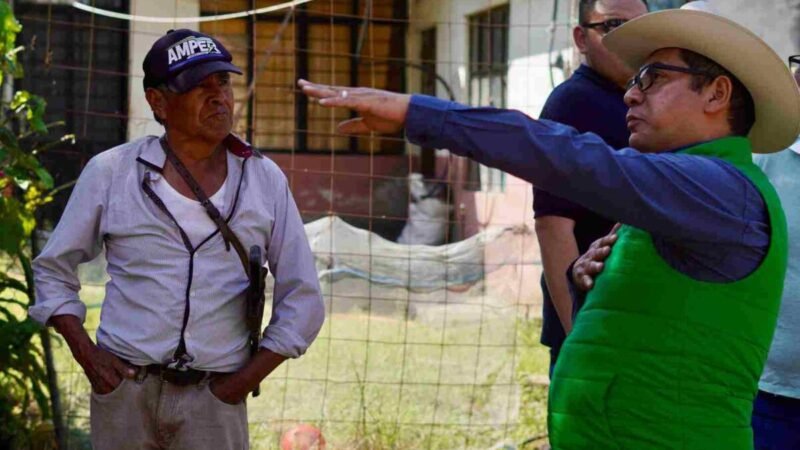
239 147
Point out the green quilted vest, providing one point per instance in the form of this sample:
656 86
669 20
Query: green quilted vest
657 359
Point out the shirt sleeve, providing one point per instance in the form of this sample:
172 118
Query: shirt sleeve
673 196
546 204
297 307
76 239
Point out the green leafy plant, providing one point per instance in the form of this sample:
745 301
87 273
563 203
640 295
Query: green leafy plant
25 185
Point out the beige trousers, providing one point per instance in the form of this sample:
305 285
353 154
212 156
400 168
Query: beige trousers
151 414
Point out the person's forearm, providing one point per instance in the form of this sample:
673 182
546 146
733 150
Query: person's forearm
258 368
558 248
78 340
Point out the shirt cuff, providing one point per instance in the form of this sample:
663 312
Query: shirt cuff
578 296
42 312
284 342
425 120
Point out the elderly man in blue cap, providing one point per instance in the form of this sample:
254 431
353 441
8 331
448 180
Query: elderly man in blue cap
172 367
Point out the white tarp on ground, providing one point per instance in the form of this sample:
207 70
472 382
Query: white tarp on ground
497 268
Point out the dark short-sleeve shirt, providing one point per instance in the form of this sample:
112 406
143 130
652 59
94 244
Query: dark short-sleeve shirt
590 104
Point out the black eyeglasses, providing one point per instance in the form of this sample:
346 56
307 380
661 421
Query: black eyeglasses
605 26
794 63
649 73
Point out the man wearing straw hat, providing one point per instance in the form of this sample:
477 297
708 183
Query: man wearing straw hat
668 349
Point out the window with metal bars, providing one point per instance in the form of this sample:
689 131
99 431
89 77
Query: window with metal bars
343 42
79 63
488 72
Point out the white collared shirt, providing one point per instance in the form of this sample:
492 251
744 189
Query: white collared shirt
795 147
154 275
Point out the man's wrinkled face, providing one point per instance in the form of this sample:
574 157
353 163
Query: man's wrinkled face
666 116
205 111
590 40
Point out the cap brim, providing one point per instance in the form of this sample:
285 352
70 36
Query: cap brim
745 55
192 76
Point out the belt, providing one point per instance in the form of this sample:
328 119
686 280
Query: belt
177 377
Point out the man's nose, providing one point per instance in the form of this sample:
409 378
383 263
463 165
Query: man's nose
216 93
633 96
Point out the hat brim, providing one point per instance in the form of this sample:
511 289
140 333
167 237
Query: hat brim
191 77
745 55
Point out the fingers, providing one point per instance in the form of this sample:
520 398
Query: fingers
586 283
318 91
333 96
105 371
606 241
122 368
592 263
354 126
336 96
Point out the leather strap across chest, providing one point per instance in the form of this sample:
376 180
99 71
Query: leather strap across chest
227 234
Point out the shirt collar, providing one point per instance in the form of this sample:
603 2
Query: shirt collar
734 149
152 155
593 76
796 146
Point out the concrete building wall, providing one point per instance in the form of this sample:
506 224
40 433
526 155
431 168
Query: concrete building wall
528 85
142 36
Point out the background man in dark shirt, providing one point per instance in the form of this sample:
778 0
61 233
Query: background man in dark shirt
590 101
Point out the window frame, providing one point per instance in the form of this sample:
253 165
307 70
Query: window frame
303 21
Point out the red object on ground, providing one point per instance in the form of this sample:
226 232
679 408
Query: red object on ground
303 437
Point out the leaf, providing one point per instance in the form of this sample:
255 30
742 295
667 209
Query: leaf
8 139
12 230
12 301
45 177
9 28
20 100
6 282
35 116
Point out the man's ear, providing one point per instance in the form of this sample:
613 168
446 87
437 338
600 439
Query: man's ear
579 37
718 94
158 102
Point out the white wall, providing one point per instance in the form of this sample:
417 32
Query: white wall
142 37
529 38
775 21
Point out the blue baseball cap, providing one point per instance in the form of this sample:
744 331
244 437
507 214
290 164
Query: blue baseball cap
181 59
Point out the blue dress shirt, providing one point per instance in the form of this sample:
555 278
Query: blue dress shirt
707 219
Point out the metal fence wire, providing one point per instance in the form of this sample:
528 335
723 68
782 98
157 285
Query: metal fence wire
424 346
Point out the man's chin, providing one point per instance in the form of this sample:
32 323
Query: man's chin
640 143
217 130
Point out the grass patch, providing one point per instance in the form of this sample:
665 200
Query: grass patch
372 382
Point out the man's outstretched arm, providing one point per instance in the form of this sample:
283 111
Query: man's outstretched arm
672 196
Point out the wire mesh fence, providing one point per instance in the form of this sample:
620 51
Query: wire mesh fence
424 346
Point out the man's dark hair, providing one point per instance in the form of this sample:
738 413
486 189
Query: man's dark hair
742 114
587 6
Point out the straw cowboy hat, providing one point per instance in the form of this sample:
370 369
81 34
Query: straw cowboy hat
750 59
